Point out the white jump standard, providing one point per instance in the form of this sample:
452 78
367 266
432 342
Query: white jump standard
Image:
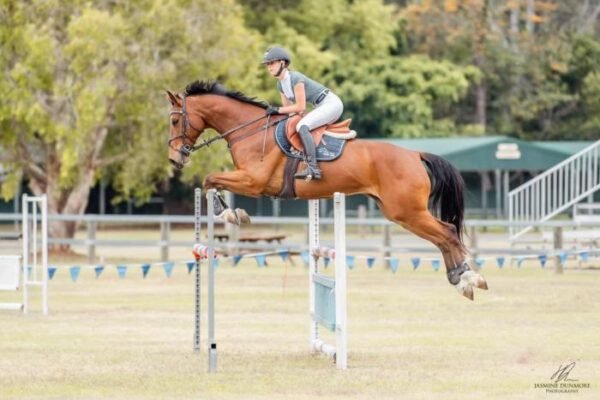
327 296
25 270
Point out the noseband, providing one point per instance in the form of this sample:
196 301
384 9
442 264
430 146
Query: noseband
185 149
188 147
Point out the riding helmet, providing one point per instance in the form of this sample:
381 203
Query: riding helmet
276 53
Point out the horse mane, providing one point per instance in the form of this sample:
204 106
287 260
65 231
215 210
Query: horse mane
197 88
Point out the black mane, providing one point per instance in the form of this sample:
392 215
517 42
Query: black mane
214 87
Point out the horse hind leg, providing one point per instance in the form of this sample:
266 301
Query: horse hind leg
444 236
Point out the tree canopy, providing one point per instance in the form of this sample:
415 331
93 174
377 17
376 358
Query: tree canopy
82 88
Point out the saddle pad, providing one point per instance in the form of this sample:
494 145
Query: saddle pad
328 150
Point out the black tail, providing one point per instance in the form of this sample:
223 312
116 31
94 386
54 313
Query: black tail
447 191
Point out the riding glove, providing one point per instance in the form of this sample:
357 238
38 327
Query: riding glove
272 110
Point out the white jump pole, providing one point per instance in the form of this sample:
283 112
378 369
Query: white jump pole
339 351
197 291
212 345
39 273
208 253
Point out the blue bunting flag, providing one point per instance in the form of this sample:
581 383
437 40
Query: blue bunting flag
168 267
393 263
74 272
145 269
284 254
190 266
304 255
236 259
98 269
121 271
350 261
415 261
562 257
260 260
51 272
370 262
500 261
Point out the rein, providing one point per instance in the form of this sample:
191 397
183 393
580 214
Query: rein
188 149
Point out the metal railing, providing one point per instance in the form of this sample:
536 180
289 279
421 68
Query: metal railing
555 190
380 242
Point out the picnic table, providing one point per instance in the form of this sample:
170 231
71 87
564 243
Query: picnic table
252 238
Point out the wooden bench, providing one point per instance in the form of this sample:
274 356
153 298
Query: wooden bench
252 238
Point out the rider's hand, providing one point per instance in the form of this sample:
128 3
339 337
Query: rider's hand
272 110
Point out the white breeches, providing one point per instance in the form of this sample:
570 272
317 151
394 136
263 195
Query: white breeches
327 112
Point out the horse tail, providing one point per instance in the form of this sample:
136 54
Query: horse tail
446 199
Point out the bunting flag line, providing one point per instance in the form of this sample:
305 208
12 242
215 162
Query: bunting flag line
561 256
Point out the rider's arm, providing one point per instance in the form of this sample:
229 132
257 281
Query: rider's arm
284 100
300 104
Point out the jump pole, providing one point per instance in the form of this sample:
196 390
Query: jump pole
205 252
327 296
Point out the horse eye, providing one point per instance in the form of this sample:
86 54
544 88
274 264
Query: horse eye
174 122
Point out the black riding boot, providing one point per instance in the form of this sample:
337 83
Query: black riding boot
312 170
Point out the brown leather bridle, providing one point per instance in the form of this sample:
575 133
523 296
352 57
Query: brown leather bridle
187 147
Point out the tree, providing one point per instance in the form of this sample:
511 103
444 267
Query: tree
82 89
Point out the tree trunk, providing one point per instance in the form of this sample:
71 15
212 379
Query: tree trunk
480 104
71 201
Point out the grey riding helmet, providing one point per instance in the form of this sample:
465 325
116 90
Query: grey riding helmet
276 53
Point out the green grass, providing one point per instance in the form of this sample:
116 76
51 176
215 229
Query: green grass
410 336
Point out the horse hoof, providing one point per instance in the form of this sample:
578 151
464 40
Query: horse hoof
481 283
468 292
242 216
229 216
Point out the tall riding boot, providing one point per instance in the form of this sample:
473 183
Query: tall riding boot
312 170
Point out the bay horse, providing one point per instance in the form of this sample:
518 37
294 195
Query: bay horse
404 183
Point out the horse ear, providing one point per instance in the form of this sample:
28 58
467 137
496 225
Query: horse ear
174 99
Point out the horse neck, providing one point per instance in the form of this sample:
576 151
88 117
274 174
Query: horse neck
225 114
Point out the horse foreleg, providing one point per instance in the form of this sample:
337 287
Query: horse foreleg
238 182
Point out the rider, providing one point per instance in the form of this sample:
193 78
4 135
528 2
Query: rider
296 90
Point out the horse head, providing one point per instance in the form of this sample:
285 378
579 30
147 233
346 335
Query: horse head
184 130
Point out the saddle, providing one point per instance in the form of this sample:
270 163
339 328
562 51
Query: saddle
329 142
338 130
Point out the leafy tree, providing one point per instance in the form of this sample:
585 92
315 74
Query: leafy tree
82 89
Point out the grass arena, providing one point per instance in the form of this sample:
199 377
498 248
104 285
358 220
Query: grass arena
409 334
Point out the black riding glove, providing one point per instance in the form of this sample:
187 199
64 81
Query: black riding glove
272 110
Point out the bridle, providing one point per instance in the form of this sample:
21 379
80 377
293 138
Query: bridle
187 149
